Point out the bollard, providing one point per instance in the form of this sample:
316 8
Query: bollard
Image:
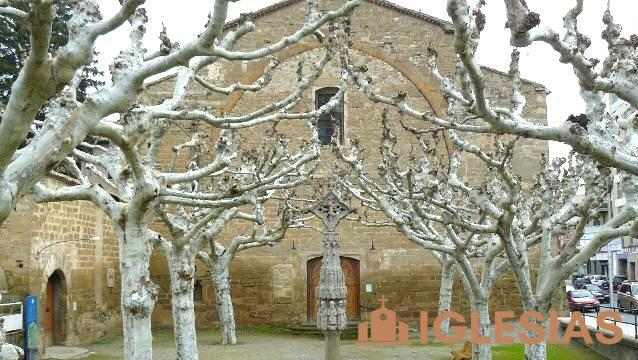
31 328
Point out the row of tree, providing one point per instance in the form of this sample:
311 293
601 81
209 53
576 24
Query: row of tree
106 145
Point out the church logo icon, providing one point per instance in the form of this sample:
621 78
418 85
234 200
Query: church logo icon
383 327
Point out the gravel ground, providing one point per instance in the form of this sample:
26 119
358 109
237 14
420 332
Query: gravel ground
266 343
262 345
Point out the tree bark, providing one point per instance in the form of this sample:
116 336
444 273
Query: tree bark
445 292
538 351
182 272
6 201
138 293
483 351
225 311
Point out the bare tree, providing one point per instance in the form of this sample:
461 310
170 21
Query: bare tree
125 179
507 223
27 156
447 262
422 200
218 260
257 175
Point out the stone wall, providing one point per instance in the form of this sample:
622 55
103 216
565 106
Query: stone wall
76 239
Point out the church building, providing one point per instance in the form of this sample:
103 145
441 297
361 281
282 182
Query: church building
67 254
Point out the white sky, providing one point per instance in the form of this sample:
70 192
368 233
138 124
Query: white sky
539 63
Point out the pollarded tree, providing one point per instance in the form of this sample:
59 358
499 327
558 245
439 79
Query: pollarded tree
125 179
218 259
252 178
55 78
540 229
534 230
417 193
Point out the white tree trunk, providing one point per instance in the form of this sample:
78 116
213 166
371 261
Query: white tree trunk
445 292
182 271
6 201
225 312
538 351
138 294
483 351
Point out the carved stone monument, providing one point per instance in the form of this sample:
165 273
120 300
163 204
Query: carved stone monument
331 313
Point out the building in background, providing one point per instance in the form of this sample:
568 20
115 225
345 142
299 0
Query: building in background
625 250
67 253
611 259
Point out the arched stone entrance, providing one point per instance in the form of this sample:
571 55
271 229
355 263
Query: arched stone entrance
351 272
54 319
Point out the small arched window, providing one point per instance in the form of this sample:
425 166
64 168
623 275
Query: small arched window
330 123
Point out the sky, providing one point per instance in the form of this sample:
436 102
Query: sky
186 18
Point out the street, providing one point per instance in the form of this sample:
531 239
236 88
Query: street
626 316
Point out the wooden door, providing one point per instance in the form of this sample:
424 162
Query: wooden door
49 308
351 272
54 319
350 269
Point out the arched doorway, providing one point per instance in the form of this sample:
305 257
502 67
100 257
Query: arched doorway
351 272
54 319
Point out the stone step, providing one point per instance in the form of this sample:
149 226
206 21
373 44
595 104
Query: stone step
311 329
65 353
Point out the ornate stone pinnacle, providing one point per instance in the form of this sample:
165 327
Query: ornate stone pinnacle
331 314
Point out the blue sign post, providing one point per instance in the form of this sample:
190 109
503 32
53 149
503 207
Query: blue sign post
31 328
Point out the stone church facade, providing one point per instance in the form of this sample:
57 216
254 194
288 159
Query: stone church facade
277 284
67 253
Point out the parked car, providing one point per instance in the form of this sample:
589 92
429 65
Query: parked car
599 280
599 293
617 280
628 296
579 283
582 300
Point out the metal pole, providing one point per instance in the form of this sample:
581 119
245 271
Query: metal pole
610 266
597 314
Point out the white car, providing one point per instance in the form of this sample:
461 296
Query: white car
597 280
